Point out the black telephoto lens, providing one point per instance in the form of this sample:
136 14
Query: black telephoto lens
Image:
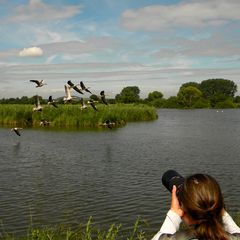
171 178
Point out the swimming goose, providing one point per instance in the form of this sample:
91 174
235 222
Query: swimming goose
103 99
17 130
52 102
108 124
39 83
91 102
84 88
44 123
38 106
75 87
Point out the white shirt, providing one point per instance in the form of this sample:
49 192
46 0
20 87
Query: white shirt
172 222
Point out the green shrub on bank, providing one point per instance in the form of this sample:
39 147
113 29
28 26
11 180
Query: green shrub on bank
72 116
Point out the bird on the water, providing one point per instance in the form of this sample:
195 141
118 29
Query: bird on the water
108 124
39 83
44 123
17 130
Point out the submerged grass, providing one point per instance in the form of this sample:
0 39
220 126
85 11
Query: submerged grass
73 116
88 231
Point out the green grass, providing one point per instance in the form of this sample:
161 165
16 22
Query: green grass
87 231
71 116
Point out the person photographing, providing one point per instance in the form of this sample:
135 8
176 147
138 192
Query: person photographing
198 201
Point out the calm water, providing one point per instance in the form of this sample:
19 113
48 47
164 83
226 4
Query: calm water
114 175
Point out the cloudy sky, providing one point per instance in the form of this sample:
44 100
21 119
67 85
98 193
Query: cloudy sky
111 44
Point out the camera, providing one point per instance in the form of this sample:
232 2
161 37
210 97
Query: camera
171 178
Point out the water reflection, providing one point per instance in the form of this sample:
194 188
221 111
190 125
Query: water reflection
16 148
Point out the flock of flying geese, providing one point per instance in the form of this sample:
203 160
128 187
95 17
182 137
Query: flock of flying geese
79 88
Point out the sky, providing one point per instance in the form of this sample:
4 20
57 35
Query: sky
156 45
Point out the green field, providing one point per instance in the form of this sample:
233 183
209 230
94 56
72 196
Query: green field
71 116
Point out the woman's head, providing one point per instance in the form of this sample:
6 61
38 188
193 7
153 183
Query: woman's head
202 202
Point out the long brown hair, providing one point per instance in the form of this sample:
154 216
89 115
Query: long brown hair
201 199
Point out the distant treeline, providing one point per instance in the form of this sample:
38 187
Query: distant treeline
211 93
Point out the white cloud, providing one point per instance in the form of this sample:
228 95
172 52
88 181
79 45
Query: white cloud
92 45
37 10
217 45
31 52
189 13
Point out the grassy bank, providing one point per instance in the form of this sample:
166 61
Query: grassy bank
72 116
88 231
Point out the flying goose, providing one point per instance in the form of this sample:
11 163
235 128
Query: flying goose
91 102
38 106
52 102
68 96
84 88
17 130
75 87
103 99
83 105
39 83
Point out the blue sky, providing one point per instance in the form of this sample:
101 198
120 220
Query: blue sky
112 44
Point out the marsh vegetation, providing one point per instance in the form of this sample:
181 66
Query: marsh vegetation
71 116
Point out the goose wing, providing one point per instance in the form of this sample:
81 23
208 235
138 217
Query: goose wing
52 102
82 85
102 94
77 89
91 102
16 130
67 91
87 90
70 83
50 99
35 81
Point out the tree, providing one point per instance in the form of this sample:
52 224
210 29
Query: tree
171 102
128 94
154 95
192 84
188 96
213 87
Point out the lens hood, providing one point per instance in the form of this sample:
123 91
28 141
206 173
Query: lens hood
170 178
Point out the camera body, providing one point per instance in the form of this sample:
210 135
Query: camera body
170 178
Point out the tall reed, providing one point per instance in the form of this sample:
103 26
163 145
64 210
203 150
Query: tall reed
72 116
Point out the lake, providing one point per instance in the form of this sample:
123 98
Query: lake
50 177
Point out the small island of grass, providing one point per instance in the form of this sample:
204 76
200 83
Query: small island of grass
71 116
